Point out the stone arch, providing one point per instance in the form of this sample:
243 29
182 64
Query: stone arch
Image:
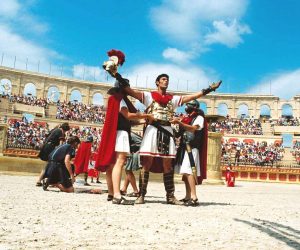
30 89
5 86
222 109
76 95
265 110
287 110
53 93
243 110
203 106
98 99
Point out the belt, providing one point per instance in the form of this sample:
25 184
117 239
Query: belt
163 123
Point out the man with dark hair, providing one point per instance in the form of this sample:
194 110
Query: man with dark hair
158 148
58 170
55 138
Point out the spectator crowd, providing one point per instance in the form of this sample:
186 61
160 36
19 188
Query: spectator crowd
259 153
76 111
246 126
29 100
285 122
27 135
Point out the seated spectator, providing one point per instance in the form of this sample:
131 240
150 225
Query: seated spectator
80 112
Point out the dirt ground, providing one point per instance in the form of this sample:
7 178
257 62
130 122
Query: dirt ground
248 216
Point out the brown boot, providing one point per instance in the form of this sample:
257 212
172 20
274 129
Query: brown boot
143 183
140 200
170 189
171 199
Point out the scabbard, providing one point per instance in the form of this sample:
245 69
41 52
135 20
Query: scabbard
192 162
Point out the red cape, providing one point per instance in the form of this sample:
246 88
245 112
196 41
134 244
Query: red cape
82 158
106 153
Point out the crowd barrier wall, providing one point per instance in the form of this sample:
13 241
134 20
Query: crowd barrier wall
265 174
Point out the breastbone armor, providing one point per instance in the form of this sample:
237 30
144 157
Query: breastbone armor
161 112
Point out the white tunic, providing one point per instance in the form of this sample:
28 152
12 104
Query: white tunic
185 168
122 140
149 142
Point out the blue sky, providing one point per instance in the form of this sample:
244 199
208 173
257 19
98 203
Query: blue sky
253 46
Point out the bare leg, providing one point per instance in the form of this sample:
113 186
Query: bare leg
41 176
192 186
126 184
117 173
187 187
131 178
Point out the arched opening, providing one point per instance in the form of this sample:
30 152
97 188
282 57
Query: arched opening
222 109
243 111
5 87
287 111
140 106
30 89
53 94
76 96
265 111
203 106
98 99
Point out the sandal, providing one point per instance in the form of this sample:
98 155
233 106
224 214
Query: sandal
192 203
110 197
123 192
45 185
122 201
38 184
133 194
185 200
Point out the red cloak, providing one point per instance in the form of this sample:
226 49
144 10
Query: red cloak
202 149
82 158
106 153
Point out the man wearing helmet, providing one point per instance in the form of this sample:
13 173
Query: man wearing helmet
192 150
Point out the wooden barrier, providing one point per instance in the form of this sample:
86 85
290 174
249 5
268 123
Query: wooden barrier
16 152
265 174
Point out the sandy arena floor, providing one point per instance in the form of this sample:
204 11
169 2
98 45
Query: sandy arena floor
249 216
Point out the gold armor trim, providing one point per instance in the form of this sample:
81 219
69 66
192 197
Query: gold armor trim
163 113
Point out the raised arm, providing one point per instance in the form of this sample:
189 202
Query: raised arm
203 92
124 83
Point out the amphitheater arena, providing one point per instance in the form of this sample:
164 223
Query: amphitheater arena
247 132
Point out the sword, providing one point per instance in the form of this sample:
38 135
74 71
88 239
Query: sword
192 161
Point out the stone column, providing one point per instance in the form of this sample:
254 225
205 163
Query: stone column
214 173
3 134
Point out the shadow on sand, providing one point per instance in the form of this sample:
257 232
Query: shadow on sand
286 234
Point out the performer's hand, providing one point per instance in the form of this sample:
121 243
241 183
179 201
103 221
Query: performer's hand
150 118
175 120
216 85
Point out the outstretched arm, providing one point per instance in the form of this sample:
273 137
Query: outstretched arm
128 90
135 116
203 92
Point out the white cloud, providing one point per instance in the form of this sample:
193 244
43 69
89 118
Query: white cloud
228 34
177 56
9 8
191 78
87 72
284 85
189 22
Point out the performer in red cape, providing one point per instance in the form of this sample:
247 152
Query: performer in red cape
82 158
115 142
193 130
158 148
